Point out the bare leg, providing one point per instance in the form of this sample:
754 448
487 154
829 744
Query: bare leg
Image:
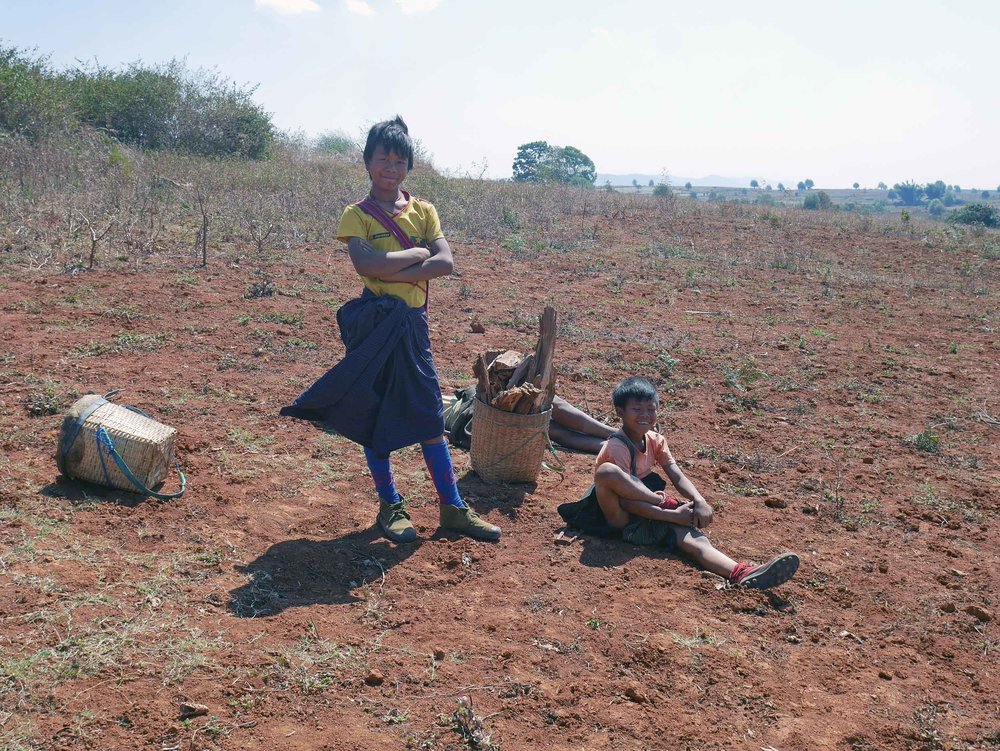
699 548
576 420
613 485
571 439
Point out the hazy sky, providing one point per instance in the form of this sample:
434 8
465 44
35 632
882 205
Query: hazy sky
881 90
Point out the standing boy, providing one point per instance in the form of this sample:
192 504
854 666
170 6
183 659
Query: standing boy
385 393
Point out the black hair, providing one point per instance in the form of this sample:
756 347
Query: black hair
636 388
391 135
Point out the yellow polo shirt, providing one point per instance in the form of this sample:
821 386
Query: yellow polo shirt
418 220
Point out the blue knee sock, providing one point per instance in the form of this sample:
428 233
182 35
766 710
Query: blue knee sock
378 465
438 460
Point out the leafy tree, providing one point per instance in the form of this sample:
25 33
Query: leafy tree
662 190
892 195
651 183
781 187
949 198
754 184
809 184
909 192
935 190
957 189
984 195
883 186
687 186
819 200
528 161
768 187
977 213
801 186
935 207
856 185
568 165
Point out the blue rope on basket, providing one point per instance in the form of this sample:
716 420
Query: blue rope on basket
105 444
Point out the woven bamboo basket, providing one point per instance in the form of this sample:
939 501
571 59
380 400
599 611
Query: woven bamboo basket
146 446
507 447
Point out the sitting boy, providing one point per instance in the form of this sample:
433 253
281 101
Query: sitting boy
632 497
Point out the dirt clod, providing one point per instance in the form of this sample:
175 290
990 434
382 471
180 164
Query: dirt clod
979 613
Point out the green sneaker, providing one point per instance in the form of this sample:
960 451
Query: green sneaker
468 522
394 521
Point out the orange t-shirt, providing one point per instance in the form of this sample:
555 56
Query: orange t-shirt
614 451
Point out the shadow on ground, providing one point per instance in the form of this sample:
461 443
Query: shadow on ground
80 493
300 573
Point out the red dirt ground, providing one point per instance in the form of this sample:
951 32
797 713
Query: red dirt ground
797 357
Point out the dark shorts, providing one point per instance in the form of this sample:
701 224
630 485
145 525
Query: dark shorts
586 515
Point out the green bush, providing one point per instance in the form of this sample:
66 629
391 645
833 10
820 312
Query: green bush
935 207
150 106
818 201
30 101
977 213
662 190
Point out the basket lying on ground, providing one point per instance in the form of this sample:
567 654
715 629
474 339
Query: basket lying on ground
110 444
508 447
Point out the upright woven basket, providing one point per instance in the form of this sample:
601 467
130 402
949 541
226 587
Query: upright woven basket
507 447
146 445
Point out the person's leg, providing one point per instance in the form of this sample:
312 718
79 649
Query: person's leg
612 484
573 440
438 461
571 418
455 514
381 470
392 518
696 545
778 570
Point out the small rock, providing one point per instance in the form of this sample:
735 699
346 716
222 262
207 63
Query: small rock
885 675
948 607
883 567
979 613
439 654
633 694
190 709
564 539
374 678
478 328
775 502
868 460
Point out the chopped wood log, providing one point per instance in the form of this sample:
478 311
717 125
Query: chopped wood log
483 389
507 400
542 374
526 404
516 383
521 371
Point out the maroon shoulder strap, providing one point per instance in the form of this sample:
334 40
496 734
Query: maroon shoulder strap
381 216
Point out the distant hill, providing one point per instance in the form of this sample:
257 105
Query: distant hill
713 181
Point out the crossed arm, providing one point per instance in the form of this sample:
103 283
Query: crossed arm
413 265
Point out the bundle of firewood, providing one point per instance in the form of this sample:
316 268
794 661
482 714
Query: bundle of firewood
515 383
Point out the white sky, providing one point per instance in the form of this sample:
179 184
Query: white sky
881 90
